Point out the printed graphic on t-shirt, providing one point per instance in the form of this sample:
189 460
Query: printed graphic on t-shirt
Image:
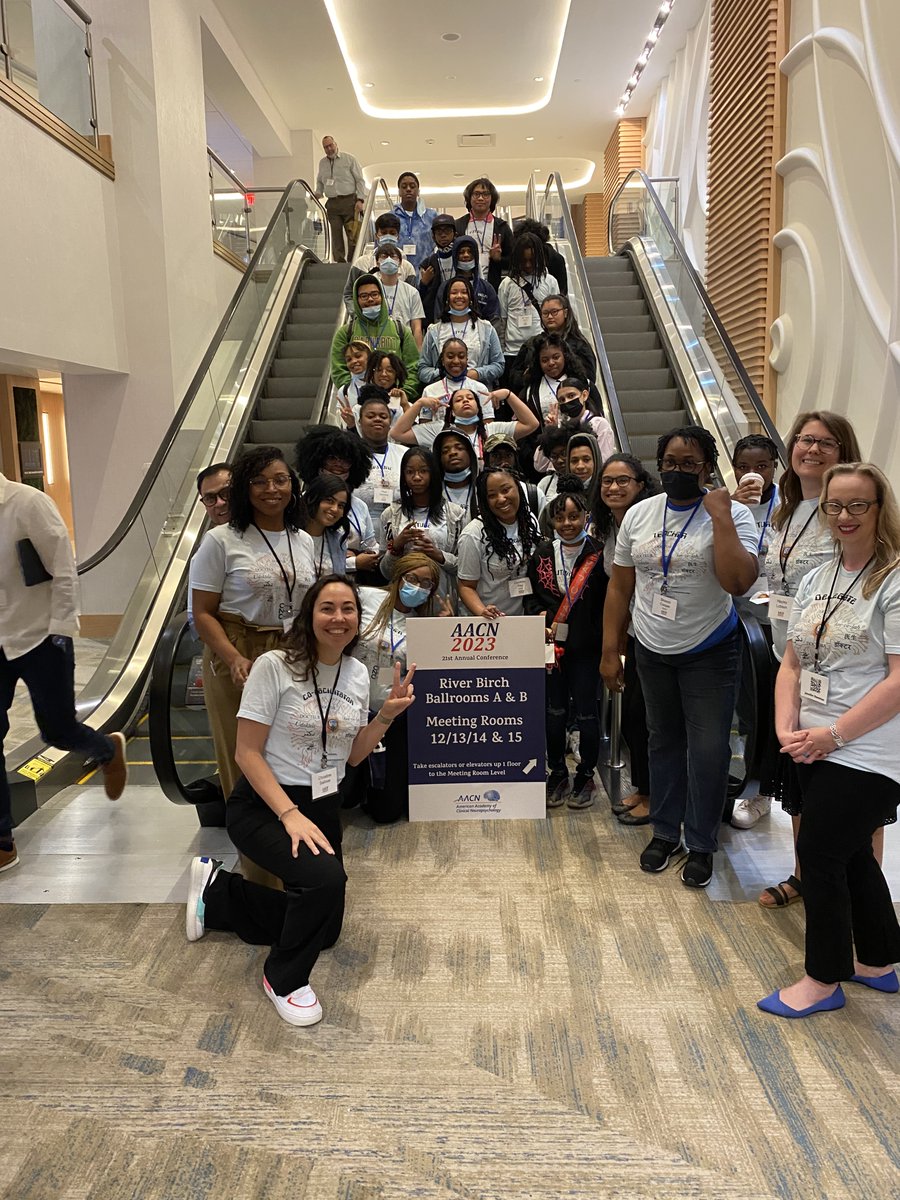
689 561
266 582
846 635
305 726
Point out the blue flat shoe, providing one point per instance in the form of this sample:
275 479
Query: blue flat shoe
881 983
773 1004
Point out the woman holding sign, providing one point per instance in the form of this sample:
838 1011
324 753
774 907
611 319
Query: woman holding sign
301 721
837 715
495 548
568 588
382 644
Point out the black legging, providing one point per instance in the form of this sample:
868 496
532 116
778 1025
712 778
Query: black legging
634 724
572 693
388 795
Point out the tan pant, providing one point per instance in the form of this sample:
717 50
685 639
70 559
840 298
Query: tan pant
341 212
223 699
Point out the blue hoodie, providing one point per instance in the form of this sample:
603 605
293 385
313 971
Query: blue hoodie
486 302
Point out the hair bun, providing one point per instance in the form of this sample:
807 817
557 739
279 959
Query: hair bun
569 483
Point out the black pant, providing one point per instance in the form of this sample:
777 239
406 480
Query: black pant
634 724
388 796
572 691
307 916
49 674
846 896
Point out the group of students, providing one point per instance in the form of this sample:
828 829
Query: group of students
471 497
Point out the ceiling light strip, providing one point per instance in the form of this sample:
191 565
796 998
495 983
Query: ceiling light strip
643 58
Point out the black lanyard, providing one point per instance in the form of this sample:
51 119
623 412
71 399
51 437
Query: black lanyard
784 555
327 726
288 585
827 613
322 558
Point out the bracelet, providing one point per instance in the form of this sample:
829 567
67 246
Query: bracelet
379 716
839 742
287 812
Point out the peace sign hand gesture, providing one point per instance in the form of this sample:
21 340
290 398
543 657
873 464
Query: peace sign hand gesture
401 694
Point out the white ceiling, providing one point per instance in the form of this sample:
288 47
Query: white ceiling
502 46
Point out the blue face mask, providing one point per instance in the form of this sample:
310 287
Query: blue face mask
473 420
388 239
465 266
457 476
389 266
371 312
412 596
575 541
358 378
460 312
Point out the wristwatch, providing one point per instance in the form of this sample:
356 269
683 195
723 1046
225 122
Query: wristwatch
838 740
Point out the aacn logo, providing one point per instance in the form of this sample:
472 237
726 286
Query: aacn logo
492 796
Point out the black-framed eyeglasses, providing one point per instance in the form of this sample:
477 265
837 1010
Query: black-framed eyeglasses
279 480
552 312
211 499
807 441
621 481
856 508
689 465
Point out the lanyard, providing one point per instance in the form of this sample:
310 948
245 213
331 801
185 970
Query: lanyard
562 565
289 586
327 726
411 220
374 341
827 613
385 287
762 534
548 382
468 495
681 532
380 465
785 551
481 236
354 521
322 557
395 646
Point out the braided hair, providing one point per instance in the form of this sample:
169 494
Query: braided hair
493 535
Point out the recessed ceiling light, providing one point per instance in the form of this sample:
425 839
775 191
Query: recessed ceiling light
538 79
429 141
385 143
450 37
529 139
368 85
458 175
329 89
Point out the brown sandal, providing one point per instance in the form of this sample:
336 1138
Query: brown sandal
780 897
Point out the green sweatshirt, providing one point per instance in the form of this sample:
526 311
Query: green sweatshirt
384 333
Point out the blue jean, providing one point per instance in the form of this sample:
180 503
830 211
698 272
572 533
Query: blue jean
690 703
49 674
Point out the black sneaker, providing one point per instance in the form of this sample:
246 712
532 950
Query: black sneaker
698 870
658 853
557 788
583 791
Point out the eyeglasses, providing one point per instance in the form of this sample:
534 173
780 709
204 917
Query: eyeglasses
827 444
552 312
856 508
621 481
279 480
211 499
481 192
414 582
688 464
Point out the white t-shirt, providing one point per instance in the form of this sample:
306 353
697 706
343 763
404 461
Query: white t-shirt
273 696
520 319
403 301
379 653
246 574
483 233
362 539
444 534
425 434
852 656
475 336
385 472
702 603
811 548
407 270
492 574
762 515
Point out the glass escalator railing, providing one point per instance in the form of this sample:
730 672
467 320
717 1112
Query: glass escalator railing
714 383
143 565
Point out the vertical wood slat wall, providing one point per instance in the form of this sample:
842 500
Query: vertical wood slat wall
592 226
624 152
746 139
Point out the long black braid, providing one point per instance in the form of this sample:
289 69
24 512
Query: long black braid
493 535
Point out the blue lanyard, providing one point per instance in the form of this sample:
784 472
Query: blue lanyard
427 516
411 218
394 300
355 523
396 645
681 533
481 236
468 495
762 535
380 465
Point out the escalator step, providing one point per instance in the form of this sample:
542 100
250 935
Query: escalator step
611 264
644 447
638 423
274 432
312 361
620 342
618 308
288 449
309 329
315 285
649 400
307 300
292 385
285 408
608 291
626 324
631 380
637 360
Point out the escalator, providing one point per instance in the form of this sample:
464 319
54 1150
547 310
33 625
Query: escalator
264 378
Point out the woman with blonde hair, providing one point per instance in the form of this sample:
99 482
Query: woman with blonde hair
837 716
800 543
413 592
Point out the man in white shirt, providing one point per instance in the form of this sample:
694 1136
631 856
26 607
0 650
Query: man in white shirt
38 617
340 180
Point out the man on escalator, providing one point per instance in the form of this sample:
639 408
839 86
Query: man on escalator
38 619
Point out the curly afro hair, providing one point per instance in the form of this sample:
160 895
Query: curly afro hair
321 442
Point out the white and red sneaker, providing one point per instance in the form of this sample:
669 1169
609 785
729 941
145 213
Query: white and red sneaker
300 1007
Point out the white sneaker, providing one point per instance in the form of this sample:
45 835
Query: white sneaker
203 871
749 810
300 1007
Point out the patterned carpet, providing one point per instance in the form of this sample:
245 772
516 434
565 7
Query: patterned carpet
513 1010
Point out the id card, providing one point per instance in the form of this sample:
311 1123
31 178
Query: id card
386 676
814 686
550 655
384 495
562 632
664 606
520 587
522 319
409 248
781 607
324 783
330 187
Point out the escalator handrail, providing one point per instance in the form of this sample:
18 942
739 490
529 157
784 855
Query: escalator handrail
733 356
612 399
168 439
159 717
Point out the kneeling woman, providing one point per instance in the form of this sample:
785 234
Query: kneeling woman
301 721
382 644
568 587
494 549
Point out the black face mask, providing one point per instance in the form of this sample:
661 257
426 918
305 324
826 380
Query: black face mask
573 409
445 253
681 487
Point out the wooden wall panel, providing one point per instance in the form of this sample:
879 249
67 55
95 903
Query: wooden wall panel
746 139
624 152
593 225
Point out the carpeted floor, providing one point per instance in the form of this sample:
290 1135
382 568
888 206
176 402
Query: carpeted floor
513 1010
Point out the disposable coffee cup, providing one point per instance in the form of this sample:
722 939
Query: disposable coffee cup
757 481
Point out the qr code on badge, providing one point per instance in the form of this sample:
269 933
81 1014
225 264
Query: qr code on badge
815 685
